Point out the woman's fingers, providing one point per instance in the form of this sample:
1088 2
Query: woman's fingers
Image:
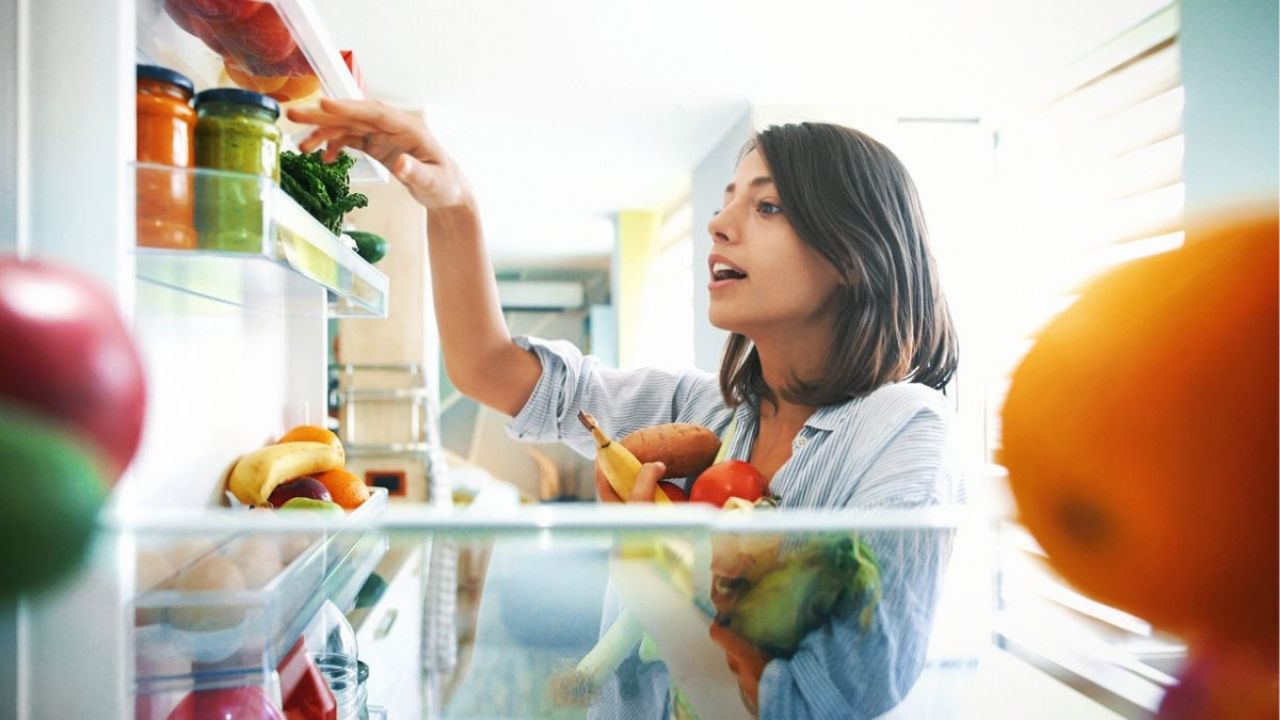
320 118
647 482
604 490
320 136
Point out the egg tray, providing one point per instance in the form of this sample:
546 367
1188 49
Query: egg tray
179 632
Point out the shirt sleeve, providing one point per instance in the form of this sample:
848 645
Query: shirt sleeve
622 401
840 670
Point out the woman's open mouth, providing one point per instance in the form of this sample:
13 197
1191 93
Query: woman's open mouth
724 273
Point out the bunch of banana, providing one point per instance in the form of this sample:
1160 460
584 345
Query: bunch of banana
259 472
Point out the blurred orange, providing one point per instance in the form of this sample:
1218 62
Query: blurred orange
1140 435
311 433
296 87
347 488
256 83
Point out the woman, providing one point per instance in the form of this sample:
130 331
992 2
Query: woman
840 346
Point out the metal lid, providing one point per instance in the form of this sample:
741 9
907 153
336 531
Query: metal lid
164 74
239 97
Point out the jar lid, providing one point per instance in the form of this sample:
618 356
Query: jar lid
163 74
239 97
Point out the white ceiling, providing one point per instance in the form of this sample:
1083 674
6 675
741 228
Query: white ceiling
562 112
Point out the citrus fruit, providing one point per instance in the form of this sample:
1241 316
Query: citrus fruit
1140 436
347 488
311 433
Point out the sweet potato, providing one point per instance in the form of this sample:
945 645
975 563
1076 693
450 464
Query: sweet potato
686 449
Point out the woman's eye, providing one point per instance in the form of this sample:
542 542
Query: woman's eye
768 208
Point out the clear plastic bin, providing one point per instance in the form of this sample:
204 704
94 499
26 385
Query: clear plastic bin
234 603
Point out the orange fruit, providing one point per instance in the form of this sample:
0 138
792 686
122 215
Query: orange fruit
311 433
296 87
347 488
258 83
1140 435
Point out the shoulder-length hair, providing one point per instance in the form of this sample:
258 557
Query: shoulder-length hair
852 200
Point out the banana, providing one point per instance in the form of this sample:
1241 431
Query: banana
620 466
259 472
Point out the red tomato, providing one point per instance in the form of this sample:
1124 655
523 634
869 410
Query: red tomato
177 9
219 9
70 358
674 492
731 478
260 35
204 30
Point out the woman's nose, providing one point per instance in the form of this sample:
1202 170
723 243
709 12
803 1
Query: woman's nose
718 227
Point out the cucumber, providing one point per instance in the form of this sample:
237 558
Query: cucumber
369 246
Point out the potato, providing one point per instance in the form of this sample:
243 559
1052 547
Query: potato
687 449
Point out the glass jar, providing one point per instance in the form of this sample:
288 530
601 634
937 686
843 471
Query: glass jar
236 131
166 126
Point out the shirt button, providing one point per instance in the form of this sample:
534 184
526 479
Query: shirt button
800 442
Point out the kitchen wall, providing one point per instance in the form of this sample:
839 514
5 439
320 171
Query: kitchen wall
706 195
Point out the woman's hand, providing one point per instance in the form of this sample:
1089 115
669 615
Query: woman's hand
644 489
394 138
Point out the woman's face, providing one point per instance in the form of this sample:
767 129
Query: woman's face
764 280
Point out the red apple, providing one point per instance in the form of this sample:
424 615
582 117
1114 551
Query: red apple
69 357
227 704
303 487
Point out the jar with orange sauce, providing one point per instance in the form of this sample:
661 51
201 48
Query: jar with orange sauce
166 137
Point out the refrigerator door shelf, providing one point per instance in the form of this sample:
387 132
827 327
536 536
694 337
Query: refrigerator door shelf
257 248
277 47
187 633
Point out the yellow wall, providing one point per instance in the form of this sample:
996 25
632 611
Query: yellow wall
637 246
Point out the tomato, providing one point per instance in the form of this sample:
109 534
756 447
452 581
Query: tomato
674 492
219 9
177 9
295 64
731 478
259 35
69 357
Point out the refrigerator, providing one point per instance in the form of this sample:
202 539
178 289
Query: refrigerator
237 351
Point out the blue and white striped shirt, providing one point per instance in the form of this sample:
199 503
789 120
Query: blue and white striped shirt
885 449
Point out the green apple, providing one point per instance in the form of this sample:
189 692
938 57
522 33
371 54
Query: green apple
301 503
50 492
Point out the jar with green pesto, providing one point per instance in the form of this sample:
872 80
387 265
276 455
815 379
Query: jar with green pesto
236 132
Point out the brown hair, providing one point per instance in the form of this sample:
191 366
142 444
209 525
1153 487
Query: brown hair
851 199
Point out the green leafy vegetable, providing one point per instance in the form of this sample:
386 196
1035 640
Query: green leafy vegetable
804 591
322 189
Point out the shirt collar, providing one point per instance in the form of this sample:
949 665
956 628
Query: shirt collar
828 417
825 418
